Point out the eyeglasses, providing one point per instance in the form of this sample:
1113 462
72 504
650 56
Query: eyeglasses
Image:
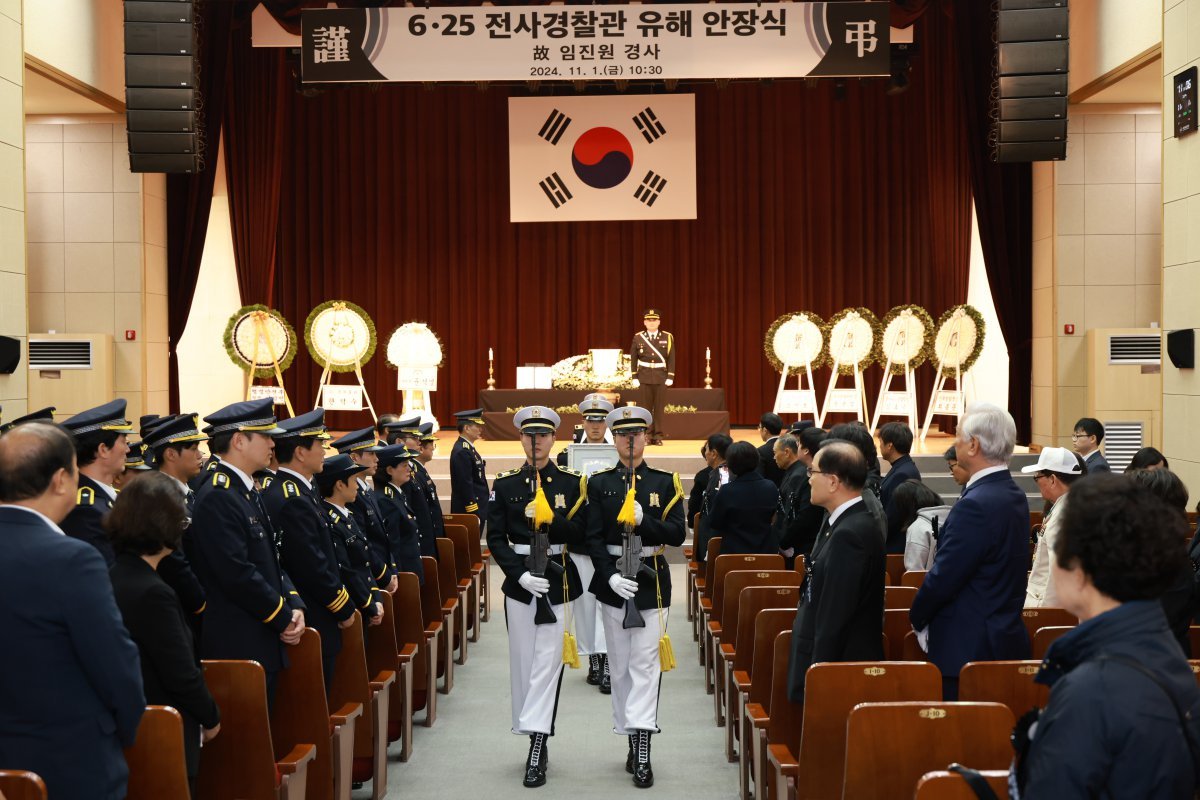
1077 436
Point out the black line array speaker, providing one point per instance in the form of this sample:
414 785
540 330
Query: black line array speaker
161 86
1032 57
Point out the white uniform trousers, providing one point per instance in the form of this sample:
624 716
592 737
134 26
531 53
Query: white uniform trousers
535 666
589 630
634 669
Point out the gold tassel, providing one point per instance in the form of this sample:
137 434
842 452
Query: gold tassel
570 651
666 654
542 513
628 515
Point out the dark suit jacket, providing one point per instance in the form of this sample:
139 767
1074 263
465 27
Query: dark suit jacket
974 592
840 615
742 513
904 469
766 462
1095 462
70 683
696 498
798 519
171 671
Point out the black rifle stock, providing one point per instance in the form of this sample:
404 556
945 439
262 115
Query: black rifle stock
629 563
540 563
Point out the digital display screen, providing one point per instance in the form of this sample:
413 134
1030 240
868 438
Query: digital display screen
1185 102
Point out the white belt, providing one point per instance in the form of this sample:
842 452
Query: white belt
653 364
523 549
646 552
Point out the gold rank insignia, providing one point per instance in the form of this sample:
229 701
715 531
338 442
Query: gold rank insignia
655 502
560 501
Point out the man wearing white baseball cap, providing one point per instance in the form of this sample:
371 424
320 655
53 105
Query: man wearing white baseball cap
1056 469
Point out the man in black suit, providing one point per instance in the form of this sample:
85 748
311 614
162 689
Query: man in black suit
798 520
718 476
699 484
840 614
769 427
895 444
101 445
1088 435
70 680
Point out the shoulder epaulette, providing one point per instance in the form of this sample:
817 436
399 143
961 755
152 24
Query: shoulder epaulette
389 490
573 472
212 465
602 471
86 496
333 514
507 473
267 480
290 489
221 479
661 471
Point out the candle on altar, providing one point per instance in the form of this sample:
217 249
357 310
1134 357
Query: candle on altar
707 352
489 354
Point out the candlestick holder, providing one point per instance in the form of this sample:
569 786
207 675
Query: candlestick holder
491 381
707 369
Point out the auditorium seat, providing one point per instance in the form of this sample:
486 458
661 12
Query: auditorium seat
693 569
1035 618
467 573
895 568
766 696
481 558
385 654
1195 665
944 785
896 626
1007 682
411 626
1044 637
1035 518
157 764
724 635
890 746
818 760
913 578
712 606
454 595
241 761
1194 639
354 684
753 661
899 597
910 648
433 605
702 587
16 784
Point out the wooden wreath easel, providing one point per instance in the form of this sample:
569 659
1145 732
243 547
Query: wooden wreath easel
860 407
901 403
259 319
797 401
327 373
943 401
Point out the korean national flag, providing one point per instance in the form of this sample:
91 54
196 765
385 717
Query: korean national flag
602 158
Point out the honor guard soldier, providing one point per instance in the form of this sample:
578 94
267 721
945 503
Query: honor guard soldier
534 507
415 491
633 583
394 469
253 609
652 358
468 479
363 449
594 408
338 485
101 445
306 549
46 414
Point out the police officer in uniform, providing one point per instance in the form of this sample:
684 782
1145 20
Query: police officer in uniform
633 653
394 469
253 608
415 491
468 478
652 360
46 414
363 449
338 485
424 442
101 444
535 631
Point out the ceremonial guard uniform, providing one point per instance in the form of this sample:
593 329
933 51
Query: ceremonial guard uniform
46 414
652 359
363 448
398 518
536 606
633 652
306 549
349 542
414 490
232 546
468 476
93 500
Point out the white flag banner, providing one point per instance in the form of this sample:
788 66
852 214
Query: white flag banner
613 157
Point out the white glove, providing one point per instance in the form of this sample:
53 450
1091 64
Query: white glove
637 513
637 384
530 512
624 588
533 584
670 381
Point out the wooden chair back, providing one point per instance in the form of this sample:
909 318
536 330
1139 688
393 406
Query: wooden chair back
710 566
1194 663
943 785
383 651
736 584
468 521
352 685
1194 639
300 713
889 746
913 578
1044 637
18 784
896 626
1007 682
1035 618
756 600
431 593
910 649
899 596
241 761
157 764
895 568
447 572
459 537
758 562
831 691
1035 518
408 620
786 718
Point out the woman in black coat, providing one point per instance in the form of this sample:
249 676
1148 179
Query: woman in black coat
743 509
146 525
394 470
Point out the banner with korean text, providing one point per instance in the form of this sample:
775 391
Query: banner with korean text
610 42
610 157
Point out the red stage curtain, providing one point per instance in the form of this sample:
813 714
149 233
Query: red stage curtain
396 198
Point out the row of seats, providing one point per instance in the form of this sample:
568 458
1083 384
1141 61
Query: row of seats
305 746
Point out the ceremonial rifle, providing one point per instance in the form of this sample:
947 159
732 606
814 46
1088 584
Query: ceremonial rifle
539 561
629 563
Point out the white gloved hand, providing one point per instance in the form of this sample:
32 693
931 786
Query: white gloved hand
533 584
624 588
670 381
637 384
530 512
637 514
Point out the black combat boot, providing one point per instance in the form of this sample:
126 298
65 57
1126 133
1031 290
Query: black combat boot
629 758
643 775
605 680
593 676
538 761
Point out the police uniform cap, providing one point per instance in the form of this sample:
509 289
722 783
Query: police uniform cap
473 416
629 419
427 434
360 441
651 313
42 414
108 417
536 419
135 459
595 407
249 416
180 429
410 425
146 421
393 454
337 468
796 427
310 424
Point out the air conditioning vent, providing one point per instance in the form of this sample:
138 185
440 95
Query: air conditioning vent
60 354
1121 441
1135 349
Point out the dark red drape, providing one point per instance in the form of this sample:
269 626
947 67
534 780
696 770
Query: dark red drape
396 198
189 197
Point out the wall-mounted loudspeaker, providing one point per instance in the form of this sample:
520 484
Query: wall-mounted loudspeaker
1181 348
1032 58
10 354
160 86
